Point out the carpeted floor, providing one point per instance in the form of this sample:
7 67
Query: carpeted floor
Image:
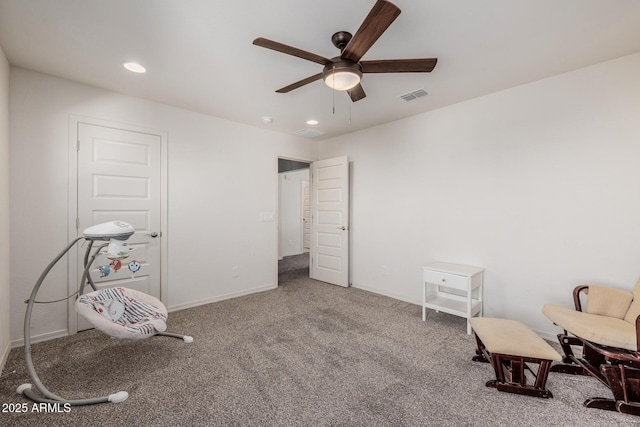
307 353
294 262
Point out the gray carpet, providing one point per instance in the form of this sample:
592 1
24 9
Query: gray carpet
293 262
307 353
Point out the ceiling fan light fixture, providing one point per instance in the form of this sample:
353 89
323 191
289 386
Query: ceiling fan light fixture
342 75
342 80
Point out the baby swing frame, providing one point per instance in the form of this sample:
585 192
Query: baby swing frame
45 396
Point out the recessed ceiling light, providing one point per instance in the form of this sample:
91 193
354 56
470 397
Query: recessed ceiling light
134 67
312 122
267 120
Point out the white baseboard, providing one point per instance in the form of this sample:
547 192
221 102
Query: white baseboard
221 297
385 294
42 337
65 332
549 336
5 356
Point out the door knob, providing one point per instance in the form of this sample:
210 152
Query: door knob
342 228
153 234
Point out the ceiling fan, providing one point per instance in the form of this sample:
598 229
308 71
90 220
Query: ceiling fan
345 71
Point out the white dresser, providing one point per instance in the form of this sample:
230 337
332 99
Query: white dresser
452 288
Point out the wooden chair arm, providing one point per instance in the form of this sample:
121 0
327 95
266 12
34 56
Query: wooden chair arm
576 296
638 334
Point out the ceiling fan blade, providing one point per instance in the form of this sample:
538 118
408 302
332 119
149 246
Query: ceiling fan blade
301 83
377 21
423 65
357 93
289 50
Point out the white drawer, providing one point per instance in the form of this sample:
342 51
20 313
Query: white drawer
446 279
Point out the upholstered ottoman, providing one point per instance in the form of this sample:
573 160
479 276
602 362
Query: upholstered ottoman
509 345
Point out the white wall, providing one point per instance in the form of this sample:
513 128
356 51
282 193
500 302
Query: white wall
539 184
222 175
4 210
291 212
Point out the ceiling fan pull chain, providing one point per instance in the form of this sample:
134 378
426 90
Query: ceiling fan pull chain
333 76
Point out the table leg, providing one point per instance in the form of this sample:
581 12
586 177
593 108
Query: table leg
424 299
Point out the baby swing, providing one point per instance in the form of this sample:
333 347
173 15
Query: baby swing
118 312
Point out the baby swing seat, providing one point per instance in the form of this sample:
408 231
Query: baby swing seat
123 313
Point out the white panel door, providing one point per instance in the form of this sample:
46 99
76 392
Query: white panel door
330 221
119 178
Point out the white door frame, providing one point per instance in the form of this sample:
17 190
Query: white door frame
277 204
304 223
72 258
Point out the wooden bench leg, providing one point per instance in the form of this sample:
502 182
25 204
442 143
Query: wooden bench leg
511 378
481 352
543 374
510 372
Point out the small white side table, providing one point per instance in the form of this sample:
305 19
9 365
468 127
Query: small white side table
452 288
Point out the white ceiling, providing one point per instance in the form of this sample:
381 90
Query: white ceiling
199 53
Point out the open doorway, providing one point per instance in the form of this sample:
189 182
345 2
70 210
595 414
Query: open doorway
294 228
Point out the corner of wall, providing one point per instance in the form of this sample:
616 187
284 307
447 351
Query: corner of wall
4 211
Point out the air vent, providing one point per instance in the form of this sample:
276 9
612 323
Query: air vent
308 133
414 95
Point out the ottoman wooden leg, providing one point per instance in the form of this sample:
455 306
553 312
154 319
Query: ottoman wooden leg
511 378
510 372
481 352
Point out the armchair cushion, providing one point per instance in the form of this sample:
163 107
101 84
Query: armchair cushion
609 302
603 330
634 309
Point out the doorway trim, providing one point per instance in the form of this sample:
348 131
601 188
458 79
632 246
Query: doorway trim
277 204
72 232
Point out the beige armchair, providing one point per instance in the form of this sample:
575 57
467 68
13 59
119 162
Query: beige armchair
608 333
